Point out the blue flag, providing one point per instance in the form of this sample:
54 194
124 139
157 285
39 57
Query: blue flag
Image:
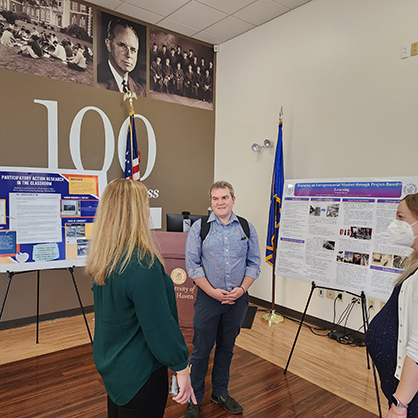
275 199
132 156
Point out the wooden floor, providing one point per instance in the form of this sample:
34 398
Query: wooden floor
325 378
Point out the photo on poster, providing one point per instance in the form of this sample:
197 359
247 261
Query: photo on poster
121 54
382 260
49 39
350 257
7 243
323 208
74 231
328 245
181 70
82 248
70 208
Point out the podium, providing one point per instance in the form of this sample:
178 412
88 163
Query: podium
172 247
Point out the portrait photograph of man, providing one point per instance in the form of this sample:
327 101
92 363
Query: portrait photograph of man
121 55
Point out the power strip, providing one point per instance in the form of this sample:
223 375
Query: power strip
337 335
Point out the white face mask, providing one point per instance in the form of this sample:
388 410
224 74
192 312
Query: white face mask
401 233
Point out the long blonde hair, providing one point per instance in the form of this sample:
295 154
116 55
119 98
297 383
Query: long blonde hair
411 264
120 227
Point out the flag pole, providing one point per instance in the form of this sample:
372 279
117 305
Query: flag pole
272 317
130 96
132 155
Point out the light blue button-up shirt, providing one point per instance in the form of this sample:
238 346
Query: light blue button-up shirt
226 256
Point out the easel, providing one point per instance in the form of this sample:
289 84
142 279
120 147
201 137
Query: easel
365 325
38 277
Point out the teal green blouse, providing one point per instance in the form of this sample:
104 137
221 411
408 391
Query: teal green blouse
136 329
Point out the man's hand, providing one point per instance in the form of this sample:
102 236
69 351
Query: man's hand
237 292
222 295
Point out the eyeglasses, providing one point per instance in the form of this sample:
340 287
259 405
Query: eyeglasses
125 48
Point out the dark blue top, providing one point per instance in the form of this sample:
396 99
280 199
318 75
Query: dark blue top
381 339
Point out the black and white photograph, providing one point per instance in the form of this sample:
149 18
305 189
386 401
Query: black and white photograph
181 71
333 210
121 52
49 39
314 210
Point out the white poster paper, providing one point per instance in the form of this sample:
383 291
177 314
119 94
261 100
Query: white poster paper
333 232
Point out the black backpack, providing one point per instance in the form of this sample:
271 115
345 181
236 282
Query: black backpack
205 226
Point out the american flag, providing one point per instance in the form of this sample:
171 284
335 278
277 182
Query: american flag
132 156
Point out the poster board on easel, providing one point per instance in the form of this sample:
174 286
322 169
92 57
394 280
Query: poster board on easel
334 232
46 217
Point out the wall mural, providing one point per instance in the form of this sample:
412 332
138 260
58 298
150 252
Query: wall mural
121 55
53 40
181 71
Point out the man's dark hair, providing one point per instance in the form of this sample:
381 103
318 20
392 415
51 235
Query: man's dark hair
118 22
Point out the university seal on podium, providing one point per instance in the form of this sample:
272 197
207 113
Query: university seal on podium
178 276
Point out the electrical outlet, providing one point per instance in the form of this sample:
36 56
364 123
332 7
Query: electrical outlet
372 304
331 294
321 293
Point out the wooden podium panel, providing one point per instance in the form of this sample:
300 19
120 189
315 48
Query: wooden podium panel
172 246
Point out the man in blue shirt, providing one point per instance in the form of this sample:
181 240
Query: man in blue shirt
223 267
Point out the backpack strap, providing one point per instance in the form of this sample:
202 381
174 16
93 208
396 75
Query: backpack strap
244 225
205 226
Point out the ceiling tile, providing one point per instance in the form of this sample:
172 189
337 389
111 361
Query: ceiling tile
228 6
261 12
161 7
209 38
229 27
291 4
138 13
178 27
197 15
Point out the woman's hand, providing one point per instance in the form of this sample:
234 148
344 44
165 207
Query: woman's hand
185 387
396 412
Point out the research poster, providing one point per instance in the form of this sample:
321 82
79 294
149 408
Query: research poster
46 217
334 233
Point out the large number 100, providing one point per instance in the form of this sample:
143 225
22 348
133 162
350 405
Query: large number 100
75 140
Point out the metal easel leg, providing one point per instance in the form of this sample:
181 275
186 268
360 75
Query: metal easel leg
71 270
11 274
38 276
300 325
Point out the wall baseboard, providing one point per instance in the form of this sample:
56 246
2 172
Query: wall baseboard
21 322
311 320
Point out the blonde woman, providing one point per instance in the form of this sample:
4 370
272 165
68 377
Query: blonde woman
136 325
392 338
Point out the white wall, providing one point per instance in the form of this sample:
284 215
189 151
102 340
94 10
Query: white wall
350 109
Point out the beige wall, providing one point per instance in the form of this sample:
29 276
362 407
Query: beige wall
183 170
350 109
